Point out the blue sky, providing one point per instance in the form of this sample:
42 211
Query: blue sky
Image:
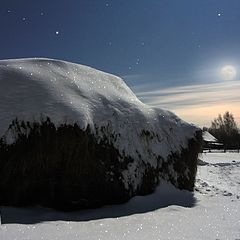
155 45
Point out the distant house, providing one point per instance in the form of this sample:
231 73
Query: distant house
210 142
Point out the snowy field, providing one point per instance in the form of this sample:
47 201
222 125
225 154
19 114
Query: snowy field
212 212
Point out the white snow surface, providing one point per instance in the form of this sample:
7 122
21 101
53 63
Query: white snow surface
208 137
73 93
211 212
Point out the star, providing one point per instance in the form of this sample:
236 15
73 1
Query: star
24 19
57 32
219 14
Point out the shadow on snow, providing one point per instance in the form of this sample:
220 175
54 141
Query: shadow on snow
165 195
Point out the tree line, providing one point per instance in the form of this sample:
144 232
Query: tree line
225 129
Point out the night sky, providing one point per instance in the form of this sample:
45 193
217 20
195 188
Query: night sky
171 52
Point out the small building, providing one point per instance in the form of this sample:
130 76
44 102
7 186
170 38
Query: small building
210 142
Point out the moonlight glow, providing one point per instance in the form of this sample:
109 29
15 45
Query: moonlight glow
228 72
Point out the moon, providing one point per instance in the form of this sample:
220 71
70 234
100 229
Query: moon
228 72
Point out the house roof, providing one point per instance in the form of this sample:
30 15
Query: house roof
207 137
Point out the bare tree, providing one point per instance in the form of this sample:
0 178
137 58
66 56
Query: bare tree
225 129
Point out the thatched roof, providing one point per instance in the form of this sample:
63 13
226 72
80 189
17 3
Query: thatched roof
74 137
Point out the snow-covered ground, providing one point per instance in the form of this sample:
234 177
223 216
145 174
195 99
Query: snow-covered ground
212 212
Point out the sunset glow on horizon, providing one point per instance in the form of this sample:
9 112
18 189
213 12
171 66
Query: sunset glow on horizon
203 116
198 104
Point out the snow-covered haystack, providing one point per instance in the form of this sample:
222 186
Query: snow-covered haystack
75 137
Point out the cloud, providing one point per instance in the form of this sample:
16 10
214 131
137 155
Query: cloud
198 103
194 95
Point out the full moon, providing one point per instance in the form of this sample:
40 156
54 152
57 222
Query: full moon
228 72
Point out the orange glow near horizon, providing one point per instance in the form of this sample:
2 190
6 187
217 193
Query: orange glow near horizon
198 104
203 116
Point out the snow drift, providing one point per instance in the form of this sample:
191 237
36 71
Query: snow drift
72 137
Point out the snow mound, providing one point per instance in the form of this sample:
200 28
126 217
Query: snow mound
72 93
76 93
